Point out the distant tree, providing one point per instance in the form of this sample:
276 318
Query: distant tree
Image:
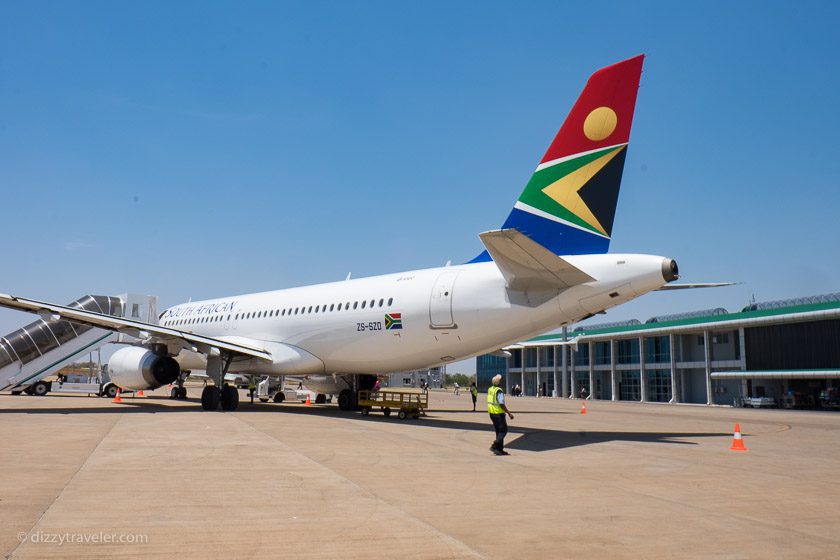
460 379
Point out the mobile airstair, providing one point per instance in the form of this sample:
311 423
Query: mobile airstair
43 347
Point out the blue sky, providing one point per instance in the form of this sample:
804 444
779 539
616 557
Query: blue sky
197 149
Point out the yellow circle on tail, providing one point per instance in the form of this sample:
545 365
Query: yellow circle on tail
600 123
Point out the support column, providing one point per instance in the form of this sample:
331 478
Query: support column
591 369
743 346
672 351
556 391
565 392
707 351
507 374
539 363
573 376
642 376
613 378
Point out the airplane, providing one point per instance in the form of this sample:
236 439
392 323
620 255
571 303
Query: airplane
547 266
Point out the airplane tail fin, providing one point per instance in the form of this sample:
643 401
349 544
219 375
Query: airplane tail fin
569 204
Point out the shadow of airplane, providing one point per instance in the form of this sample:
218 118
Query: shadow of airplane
531 439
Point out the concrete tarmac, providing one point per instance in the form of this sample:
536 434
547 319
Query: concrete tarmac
81 477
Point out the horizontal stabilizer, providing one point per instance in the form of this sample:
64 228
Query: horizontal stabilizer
527 265
667 287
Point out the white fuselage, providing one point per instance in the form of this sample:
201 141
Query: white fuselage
444 314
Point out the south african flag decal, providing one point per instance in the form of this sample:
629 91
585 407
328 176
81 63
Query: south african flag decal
393 321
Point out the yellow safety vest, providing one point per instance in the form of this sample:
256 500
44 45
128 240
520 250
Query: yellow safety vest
493 406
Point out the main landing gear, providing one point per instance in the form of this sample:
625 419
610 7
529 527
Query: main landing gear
220 393
227 396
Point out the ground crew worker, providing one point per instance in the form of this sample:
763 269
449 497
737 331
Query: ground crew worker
474 394
497 409
252 388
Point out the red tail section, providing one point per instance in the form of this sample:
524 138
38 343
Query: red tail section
603 113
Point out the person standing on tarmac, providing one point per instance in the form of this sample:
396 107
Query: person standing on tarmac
474 394
252 388
497 409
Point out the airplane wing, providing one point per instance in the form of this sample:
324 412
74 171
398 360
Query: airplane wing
527 265
694 286
146 332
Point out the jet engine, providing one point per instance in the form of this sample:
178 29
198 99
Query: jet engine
138 368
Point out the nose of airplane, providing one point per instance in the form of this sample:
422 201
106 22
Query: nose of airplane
670 270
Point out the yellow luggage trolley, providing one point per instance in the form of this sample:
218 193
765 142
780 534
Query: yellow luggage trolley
407 403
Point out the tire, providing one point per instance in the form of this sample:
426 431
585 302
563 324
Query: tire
210 398
110 391
365 411
229 398
345 400
320 398
182 393
279 397
174 393
386 411
402 414
263 399
40 389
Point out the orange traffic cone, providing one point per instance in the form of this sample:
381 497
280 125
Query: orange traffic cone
583 407
117 399
140 393
737 442
308 400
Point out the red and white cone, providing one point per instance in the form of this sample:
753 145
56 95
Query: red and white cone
737 441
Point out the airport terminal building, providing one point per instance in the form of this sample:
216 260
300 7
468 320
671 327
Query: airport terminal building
778 353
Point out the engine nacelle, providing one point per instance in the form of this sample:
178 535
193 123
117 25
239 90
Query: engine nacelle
138 368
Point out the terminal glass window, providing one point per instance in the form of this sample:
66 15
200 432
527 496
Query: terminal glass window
516 358
581 356
629 386
602 353
659 385
627 351
657 350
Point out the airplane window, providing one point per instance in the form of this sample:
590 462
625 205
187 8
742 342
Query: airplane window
390 301
283 312
355 304
347 305
372 302
381 301
296 310
310 309
363 304
331 306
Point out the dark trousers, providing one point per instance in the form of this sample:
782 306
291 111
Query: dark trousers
500 425
474 401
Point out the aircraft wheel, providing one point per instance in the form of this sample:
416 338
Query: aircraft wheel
174 393
229 398
345 400
210 398
182 393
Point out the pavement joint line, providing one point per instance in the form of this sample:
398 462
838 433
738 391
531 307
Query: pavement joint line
446 536
57 497
734 516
